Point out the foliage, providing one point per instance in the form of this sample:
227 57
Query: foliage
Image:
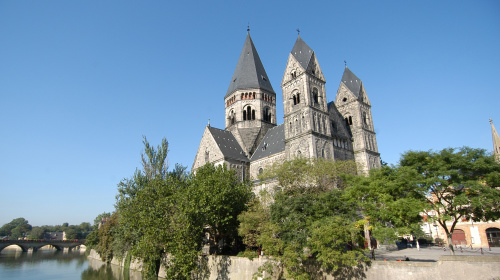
16 228
459 183
100 218
389 200
106 235
309 196
217 198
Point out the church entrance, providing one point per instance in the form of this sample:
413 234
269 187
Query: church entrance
458 237
493 235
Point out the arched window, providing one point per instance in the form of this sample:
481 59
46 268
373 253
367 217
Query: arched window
294 100
261 170
248 113
315 95
266 115
348 120
231 117
207 156
365 119
323 152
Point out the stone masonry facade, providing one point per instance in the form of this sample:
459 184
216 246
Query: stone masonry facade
313 128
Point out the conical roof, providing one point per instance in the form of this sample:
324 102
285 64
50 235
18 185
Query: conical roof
352 82
249 72
302 52
496 141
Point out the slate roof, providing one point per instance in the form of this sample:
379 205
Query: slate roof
249 72
272 143
352 82
302 52
228 145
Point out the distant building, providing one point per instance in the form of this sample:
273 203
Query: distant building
55 235
313 128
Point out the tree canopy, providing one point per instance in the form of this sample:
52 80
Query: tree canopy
459 183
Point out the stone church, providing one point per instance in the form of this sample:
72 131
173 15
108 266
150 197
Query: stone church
312 128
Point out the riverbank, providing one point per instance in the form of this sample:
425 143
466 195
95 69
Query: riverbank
434 266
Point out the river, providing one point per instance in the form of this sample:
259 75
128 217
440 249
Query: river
51 264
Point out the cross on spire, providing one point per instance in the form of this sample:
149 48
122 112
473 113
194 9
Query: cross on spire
298 31
345 63
248 27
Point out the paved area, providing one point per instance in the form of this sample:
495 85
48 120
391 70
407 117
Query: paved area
432 254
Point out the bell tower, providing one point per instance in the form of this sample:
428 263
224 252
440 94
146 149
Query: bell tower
306 117
353 103
250 101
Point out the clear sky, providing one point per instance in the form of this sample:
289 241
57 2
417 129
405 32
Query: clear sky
82 81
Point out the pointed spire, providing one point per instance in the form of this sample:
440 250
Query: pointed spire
352 82
249 72
302 52
496 142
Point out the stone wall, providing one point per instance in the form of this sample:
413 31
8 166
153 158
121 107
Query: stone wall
448 267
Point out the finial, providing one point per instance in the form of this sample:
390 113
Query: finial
491 121
345 63
248 27
298 32
208 122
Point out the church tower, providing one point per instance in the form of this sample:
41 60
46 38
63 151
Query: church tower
353 103
250 101
306 117
496 142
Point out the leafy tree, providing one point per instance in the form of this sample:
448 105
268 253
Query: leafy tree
460 183
154 161
100 218
16 228
310 194
389 201
217 198
36 233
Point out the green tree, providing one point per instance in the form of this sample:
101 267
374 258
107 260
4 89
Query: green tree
217 198
460 183
389 201
310 194
100 218
36 233
16 228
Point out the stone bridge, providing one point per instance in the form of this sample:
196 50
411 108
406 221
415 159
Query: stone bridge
34 245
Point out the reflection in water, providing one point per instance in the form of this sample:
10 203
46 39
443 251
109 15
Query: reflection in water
100 270
53 264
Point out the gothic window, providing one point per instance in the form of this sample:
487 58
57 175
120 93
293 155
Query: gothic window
365 119
298 98
315 96
294 100
323 152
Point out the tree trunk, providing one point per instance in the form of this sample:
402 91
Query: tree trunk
450 244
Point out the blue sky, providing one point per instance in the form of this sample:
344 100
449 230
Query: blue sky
82 81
